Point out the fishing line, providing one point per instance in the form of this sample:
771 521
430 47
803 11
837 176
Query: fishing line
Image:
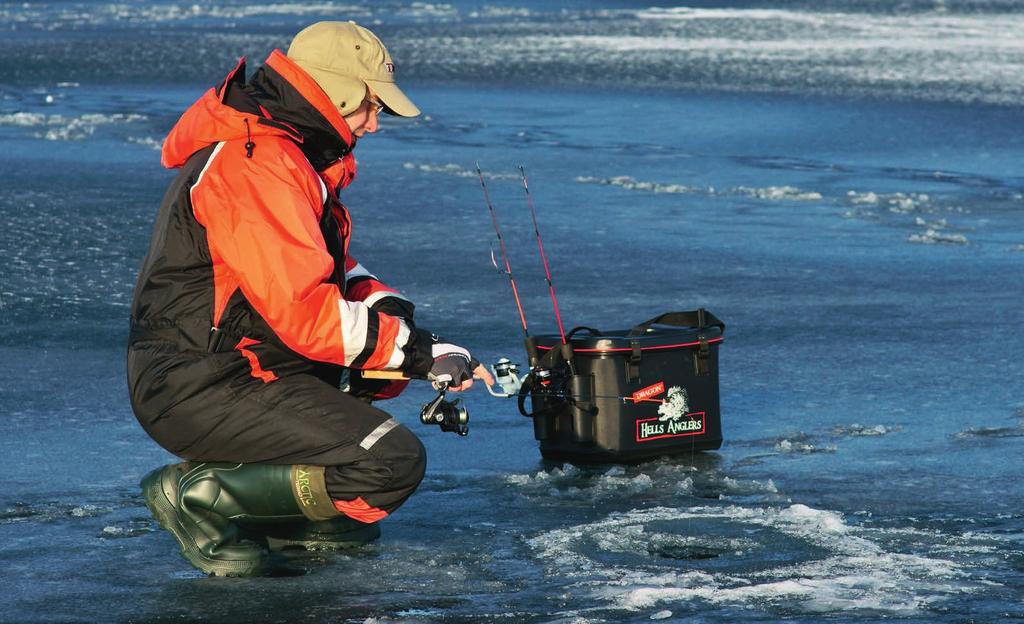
572 397
543 256
504 255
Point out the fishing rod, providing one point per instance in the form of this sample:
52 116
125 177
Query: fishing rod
543 256
449 414
506 377
504 254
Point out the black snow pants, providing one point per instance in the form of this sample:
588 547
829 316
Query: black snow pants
208 406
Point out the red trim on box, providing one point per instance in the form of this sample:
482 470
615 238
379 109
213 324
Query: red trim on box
703 428
623 349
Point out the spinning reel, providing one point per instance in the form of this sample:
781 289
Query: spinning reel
506 375
453 416
448 415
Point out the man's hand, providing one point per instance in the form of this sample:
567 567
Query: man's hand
455 367
480 372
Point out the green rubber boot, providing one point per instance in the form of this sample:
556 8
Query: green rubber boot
203 505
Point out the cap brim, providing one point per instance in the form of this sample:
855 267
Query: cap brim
395 102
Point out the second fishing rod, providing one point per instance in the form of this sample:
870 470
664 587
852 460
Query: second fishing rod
530 344
552 384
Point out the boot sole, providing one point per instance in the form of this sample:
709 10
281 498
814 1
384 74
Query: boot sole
167 517
344 541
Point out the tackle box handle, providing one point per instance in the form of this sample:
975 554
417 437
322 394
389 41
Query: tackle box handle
589 330
700 319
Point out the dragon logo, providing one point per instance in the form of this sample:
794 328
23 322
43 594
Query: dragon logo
676 405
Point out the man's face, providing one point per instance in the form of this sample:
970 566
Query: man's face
364 118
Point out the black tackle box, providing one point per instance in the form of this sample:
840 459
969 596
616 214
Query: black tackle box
629 395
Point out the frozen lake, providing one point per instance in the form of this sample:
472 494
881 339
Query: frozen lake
855 220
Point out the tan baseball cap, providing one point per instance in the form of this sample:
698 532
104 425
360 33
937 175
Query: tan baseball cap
344 58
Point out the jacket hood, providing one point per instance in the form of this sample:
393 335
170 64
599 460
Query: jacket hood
210 120
281 100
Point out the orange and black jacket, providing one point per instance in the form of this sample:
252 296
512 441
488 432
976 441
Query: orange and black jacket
250 248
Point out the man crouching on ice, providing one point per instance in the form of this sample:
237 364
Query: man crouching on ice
249 312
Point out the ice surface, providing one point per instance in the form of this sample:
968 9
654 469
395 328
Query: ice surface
769 165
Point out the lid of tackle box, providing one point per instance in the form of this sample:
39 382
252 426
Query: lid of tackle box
675 330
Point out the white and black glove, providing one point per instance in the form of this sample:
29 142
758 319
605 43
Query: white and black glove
452 365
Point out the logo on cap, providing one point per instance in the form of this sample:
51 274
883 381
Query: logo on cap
390 67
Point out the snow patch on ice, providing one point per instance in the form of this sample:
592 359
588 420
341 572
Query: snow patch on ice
932 236
458 170
684 13
858 430
796 446
430 613
932 231
569 482
747 487
659 479
771 193
862 198
543 476
632 184
936 225
149 142
778 193
822 521
63 128
84 511
855 573
798 442
23 119
428 9
899 203
134 528
992 432
132 13
45 512
493 11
